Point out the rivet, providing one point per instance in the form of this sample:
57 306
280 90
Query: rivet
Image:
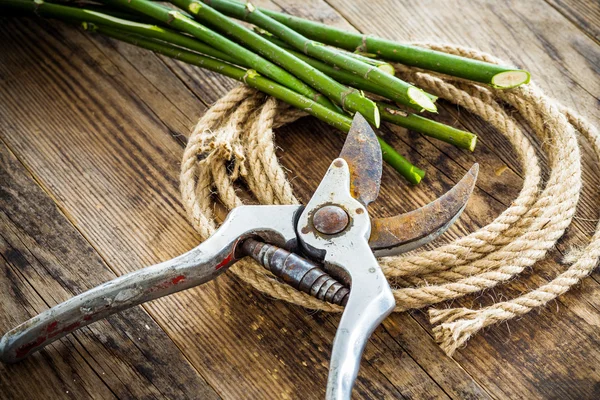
330 220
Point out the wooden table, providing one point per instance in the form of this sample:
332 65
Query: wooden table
90 148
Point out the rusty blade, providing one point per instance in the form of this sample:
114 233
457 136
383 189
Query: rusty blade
363 155
408 231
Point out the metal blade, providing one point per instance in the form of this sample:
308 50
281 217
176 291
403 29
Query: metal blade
408 231
363 155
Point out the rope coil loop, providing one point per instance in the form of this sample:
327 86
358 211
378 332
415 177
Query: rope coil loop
218 154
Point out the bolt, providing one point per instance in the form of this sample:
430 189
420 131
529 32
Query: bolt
330 220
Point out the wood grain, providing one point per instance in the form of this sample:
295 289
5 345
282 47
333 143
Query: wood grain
583 14
45 261
99 126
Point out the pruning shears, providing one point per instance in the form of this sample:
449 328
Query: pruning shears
327 248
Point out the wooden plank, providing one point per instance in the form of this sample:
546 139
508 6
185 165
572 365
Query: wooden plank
106 360
115 171
332 326
584 14
313 330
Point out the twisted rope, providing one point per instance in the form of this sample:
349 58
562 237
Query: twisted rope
233 142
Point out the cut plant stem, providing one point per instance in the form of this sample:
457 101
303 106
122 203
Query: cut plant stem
265 85
446 133
75 14
388 112
179 21
124 30
382 65
340 75
404 93
349 98
498 76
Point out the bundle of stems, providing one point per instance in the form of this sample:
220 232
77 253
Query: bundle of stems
294 60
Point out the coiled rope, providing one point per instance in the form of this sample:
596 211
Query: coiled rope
234 141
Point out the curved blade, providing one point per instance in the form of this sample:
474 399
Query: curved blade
408 231
363 155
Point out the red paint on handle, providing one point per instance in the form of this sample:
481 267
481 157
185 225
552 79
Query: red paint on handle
26 348
52 331
66 329
52 327
225 262
167 284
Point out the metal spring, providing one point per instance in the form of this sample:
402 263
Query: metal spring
298 272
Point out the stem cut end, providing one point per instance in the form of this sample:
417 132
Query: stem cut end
376 116
510 79
194 7
417 175
421 98
473 143
387 68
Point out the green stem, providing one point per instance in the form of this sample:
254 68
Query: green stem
389 113
446 133
382 65
350 99
122 30
51 10
254 80
185 24
338 74
498 76
404 93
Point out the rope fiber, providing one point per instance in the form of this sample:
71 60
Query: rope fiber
233 141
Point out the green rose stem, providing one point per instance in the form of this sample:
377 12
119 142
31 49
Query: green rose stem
498 76
446 133
382 65
349 98
124 28
404 93
254 80
338 74
388 112
76 14
185 24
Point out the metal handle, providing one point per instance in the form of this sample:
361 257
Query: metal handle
199 265
343 245
370 302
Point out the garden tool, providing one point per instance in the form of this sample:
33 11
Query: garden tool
327 248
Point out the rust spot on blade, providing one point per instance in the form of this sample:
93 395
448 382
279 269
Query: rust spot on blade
413 229
363 155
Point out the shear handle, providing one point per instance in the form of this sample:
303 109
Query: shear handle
347 256
197 266
370 302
